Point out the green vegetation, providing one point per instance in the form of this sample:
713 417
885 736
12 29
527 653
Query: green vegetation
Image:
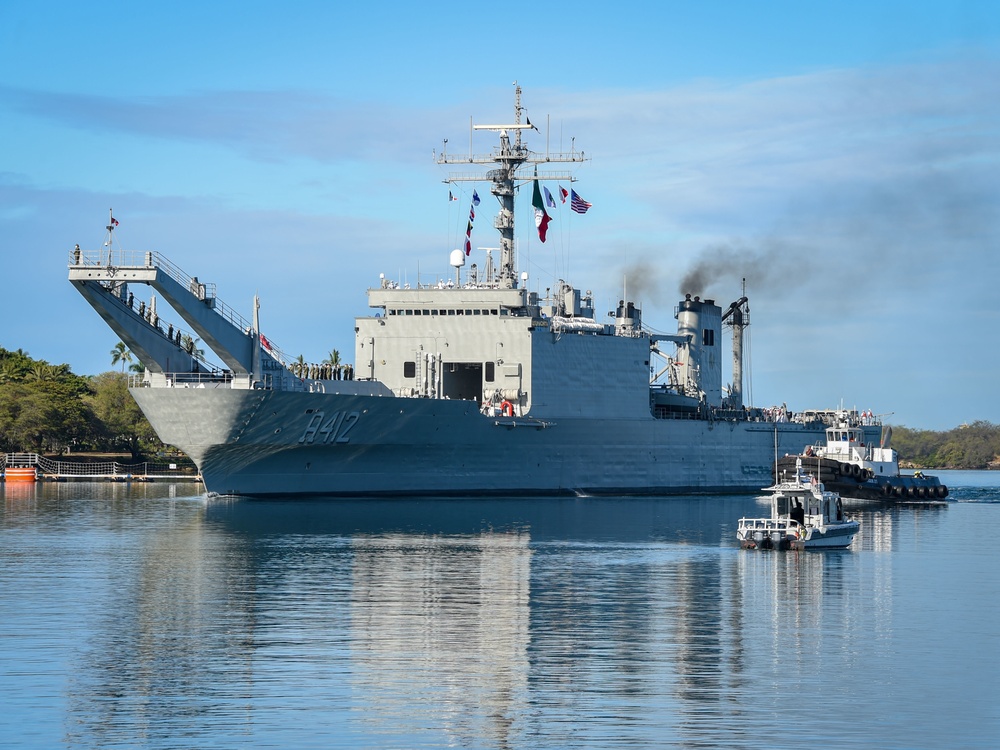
47 409
973 446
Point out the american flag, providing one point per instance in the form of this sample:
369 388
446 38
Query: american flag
577 203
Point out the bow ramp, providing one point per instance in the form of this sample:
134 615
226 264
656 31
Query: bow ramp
106 279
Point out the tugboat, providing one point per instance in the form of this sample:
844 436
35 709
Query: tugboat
857 469
804 515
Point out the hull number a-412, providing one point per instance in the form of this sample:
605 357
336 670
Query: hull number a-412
333 430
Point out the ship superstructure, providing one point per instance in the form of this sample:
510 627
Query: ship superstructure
472 385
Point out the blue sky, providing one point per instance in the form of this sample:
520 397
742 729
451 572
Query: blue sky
842 157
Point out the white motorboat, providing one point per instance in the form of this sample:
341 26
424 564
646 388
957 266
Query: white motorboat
804 515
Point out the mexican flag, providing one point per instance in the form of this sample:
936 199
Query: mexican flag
541 218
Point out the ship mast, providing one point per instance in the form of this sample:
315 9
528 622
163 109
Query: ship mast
508 158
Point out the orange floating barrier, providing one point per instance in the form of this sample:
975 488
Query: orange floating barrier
19 474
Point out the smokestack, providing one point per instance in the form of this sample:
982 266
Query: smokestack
738 317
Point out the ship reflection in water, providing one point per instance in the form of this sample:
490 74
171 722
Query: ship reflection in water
480 623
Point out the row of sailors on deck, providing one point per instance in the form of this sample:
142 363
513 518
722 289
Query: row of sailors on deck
325 371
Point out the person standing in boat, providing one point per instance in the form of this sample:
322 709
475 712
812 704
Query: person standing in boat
798 513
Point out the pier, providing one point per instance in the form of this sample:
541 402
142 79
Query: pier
49 469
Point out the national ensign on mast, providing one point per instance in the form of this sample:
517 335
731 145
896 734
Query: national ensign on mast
509 157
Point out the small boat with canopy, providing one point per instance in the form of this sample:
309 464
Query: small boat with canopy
804 515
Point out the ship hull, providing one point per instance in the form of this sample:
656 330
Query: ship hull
274 443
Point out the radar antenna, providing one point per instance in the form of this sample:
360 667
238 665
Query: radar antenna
509 157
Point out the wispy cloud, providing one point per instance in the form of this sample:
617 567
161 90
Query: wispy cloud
265 125
767 179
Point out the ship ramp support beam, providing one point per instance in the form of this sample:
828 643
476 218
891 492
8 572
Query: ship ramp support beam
155 350
218 326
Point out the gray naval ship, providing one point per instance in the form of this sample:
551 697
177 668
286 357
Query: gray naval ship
477 385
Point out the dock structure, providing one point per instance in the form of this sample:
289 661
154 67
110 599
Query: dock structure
59 470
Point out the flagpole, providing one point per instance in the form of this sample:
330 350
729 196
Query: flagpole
111 233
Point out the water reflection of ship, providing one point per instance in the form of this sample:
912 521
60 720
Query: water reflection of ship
172 639
439 630
453 614
460 609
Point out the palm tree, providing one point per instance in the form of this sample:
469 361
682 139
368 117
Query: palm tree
10 372
41 371
120 354
190 346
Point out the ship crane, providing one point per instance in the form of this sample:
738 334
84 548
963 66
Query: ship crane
508 158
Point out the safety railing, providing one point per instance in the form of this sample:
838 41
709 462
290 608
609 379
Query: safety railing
205 291
99 469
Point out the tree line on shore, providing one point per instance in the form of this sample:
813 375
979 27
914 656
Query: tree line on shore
968 446
47 409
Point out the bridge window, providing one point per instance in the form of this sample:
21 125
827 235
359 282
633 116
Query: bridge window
409 369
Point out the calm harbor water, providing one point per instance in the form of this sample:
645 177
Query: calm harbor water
153 617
